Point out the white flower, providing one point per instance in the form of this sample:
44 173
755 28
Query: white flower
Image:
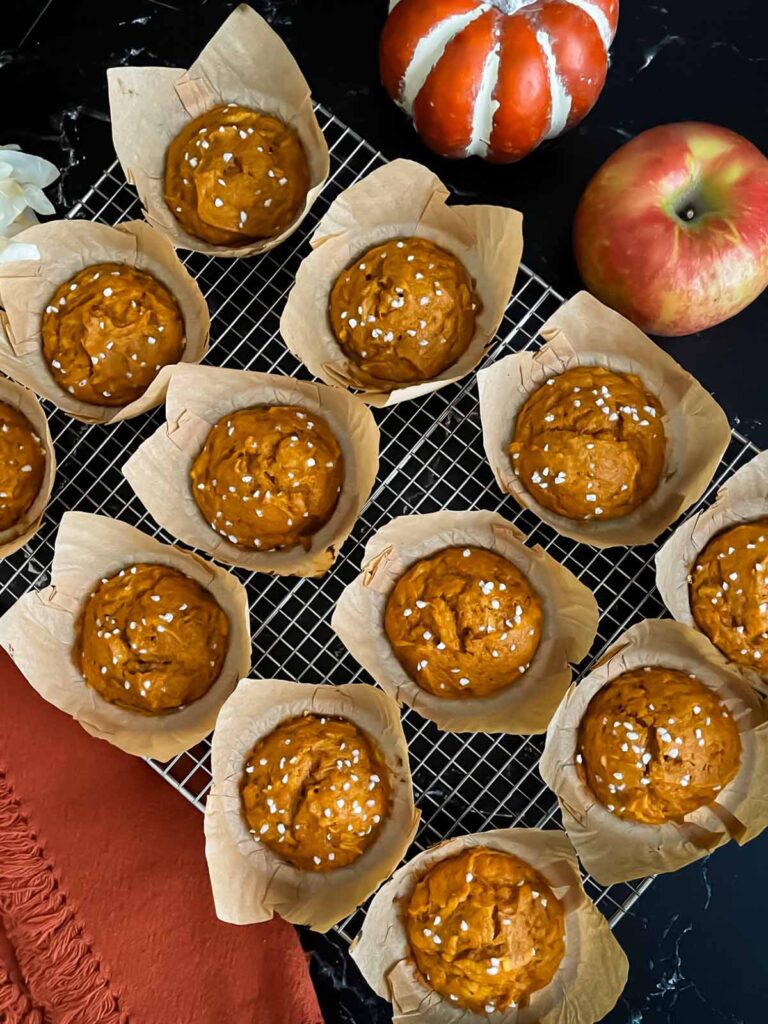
22 180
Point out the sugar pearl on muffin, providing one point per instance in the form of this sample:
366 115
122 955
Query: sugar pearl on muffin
151 639
22 465
463 622
93 342
602 451
657 743
404 312
322 805
729 592
234 176
451 946
269 477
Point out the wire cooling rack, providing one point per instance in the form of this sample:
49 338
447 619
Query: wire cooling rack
431 458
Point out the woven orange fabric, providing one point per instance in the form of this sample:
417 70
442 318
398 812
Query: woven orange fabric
106 914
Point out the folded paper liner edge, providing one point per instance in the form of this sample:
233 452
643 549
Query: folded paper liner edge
66 247
584 332
616 850
21 532
590 977
399 200
38 632
525 706
158 471
250 882
246 62
743 498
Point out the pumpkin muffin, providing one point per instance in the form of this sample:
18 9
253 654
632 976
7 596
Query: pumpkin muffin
22 465
590 444
404 311
108 331
151 639
316 792
234 176
729 593
463 623
655 744
485 930
268 477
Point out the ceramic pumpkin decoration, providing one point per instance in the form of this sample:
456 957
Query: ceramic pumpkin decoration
496 78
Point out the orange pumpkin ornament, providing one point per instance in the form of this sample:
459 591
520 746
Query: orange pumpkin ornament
495 78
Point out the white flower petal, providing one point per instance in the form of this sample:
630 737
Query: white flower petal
22 179
38 200
32 170
12 205
26 219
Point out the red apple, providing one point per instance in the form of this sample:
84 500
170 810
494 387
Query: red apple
672 231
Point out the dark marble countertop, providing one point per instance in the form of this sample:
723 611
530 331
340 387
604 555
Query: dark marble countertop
695 939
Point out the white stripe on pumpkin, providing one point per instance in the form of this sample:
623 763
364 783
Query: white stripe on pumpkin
599 18
485 105
561 98
505 6
511 6
428 52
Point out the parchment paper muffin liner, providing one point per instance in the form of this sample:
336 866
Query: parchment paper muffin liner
20 398
44 256
742 499
616 850
40 629
250 882
197 398
568 629
245 62
584 332
590 977
398 200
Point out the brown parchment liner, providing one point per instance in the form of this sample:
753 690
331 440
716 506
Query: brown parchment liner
743 498
588 982
40 629
568 629
401 199
24 529
245 62
584 332
197 398
615 850
46 255
251 883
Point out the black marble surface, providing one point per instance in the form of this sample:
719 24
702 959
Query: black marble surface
696 940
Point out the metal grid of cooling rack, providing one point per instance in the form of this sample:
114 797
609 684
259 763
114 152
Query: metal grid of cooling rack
431 458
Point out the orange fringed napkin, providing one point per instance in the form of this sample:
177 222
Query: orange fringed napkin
106 915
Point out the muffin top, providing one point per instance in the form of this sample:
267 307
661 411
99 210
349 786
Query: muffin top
22 465
463 623
316 792
729 593
485 929
403 312
590 444
151 639
108 331
269 477
655 744
234 176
